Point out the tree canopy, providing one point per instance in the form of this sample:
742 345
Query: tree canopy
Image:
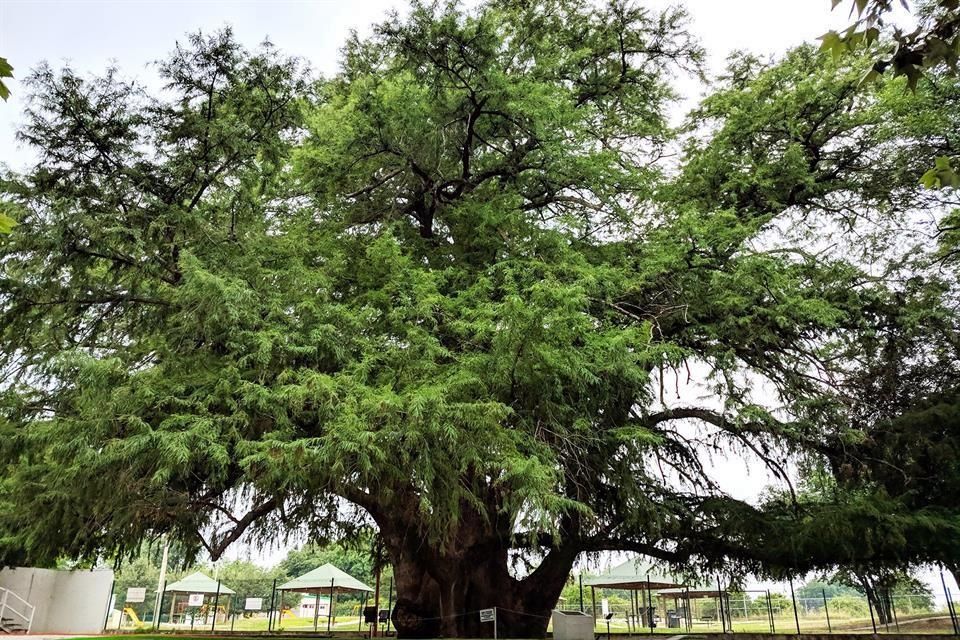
448 291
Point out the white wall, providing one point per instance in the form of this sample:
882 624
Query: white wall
66 601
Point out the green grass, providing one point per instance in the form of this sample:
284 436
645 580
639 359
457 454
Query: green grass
347 626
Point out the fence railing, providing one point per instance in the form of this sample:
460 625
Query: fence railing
238 605
257 606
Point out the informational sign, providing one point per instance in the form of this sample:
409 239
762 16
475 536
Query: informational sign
195 600
253 604
605 607
490 615
136 594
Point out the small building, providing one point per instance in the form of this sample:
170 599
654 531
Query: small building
309 603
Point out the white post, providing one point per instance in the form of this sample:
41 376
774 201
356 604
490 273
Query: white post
494 623
160 582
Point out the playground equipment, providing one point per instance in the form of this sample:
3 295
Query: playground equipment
133 616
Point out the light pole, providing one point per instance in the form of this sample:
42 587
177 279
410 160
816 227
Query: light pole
161 583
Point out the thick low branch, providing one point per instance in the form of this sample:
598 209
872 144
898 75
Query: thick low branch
216 547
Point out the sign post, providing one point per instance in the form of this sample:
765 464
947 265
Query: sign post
490 615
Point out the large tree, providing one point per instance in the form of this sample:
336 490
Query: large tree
446 290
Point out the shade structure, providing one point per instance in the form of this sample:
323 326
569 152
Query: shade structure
324 579
633 574
696 591
198 583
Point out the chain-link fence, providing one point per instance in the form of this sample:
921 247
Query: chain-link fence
769 611
259 606
239 605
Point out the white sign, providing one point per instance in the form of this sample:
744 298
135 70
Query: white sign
605 607
136 594
488 615
196 600
253 604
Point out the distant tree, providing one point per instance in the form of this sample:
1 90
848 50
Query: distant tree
356 562
814 591
884 588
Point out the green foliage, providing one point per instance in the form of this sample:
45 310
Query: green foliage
8 215
815 589
6 71
854 606
445 290
934 43
942 175
927 50
358 562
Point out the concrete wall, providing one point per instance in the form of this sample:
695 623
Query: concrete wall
66 601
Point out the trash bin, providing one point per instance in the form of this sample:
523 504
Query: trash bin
673 620
572 625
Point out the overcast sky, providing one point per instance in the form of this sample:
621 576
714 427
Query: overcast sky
132 33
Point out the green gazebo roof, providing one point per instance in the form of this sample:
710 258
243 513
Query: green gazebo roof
325 578
198 583
633 574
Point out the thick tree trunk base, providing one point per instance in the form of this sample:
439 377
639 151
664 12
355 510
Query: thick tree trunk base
427 608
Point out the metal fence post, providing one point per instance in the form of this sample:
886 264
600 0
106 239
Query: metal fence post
826 610
723 618
216 603
946 594
330 607
581 592
390 604
280 612
893 610
273 594
796 613
362 607
773 627
649 604
106 619
953 612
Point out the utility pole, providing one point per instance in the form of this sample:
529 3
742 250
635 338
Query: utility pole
161 583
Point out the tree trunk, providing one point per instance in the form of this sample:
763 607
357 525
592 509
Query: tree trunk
879 599
441 592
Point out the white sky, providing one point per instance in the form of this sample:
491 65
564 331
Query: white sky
132 33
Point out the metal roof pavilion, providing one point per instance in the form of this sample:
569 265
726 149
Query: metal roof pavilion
633 574
198 583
